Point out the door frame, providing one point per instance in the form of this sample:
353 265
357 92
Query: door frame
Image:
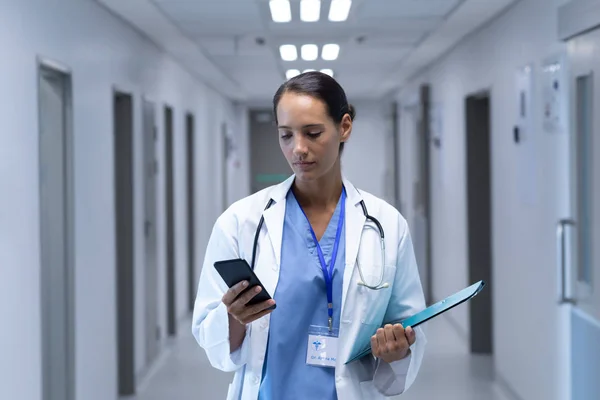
56 67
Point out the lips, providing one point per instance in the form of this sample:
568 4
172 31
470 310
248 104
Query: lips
304 164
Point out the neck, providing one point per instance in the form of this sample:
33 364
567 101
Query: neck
321 193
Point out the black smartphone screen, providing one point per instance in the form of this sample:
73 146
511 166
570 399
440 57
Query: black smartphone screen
237 270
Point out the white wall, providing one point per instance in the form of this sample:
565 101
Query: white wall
101 51
364 159
523 234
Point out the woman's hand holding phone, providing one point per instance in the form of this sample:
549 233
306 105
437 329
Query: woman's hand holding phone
238 307
241 313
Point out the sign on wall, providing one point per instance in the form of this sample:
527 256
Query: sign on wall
554 92
524 136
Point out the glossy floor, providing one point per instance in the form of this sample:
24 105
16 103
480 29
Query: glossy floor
448 371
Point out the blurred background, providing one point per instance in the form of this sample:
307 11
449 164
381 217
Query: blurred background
130 125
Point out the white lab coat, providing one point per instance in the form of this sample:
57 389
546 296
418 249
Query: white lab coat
362 308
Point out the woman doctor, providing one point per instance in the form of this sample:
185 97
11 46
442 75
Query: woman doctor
337 261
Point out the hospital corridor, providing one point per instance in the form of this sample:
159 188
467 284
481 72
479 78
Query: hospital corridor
155 154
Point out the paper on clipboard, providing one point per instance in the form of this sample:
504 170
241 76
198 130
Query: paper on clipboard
424 316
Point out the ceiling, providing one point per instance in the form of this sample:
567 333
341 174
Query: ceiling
234 44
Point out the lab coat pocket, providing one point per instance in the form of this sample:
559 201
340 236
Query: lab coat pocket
375 302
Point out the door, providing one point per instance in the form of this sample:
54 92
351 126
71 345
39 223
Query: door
390 179
56 230
226 150
579 235
170 215
479 218
268 166
191 204
421 212
414 178
124 235
150 233
396 155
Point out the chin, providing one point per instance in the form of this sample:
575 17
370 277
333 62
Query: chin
306 175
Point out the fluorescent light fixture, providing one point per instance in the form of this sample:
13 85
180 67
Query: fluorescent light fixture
339 10
281 10
288 52
327 71
330 52
308 70
310 10
310 52
290 73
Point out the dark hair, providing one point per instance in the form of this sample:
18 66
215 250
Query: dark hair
322 87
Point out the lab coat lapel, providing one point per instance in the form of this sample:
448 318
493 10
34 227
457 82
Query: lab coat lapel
355 221
274 222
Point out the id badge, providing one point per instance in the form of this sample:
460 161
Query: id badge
322 347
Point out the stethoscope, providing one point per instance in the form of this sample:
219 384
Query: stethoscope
380 285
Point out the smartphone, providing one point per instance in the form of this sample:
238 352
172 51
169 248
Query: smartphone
237 270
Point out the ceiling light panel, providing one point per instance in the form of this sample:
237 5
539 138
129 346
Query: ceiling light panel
288 52
340 9
281 10
290 73
327 71
330 52
309 52
310 10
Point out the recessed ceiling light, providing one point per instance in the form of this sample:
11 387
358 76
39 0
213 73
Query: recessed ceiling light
290 73
327 71
330 52
280 10
310 10
308 70
288 52
339 10
309 52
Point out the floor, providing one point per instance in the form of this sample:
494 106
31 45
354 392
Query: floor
448 372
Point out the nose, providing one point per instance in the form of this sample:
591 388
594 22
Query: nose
300 146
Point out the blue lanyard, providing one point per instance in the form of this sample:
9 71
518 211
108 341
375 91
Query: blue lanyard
328 272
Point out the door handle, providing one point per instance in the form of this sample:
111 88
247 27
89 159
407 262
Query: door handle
562 259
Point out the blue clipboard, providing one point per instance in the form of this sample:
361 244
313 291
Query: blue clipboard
427 314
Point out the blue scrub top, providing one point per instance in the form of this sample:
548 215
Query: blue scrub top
301 298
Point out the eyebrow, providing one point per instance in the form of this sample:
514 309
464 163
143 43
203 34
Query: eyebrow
305 126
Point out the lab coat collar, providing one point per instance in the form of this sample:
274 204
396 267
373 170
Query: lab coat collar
355 220
279 192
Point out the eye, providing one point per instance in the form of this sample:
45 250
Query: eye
314 134
285 135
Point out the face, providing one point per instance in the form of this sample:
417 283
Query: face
308 136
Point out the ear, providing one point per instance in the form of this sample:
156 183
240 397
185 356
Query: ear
345 128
